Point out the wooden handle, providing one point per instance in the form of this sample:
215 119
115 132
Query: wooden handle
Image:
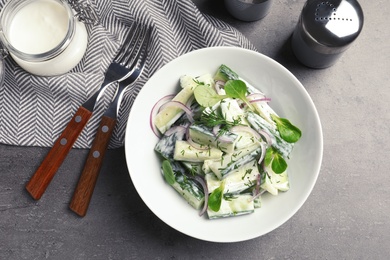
53 160
84 189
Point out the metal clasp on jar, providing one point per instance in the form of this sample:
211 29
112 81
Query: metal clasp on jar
3 51
84 12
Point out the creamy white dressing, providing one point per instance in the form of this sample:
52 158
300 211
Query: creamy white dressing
38 27
232 111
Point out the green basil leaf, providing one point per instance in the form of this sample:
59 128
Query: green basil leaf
215 198
269 155
206 96
276 160
168 172
237 89
279 165
288 131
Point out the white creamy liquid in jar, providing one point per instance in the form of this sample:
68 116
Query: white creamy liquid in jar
40 26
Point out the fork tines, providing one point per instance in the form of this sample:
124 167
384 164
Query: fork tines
133 43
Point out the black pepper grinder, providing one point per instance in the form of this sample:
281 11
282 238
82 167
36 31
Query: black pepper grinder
325 30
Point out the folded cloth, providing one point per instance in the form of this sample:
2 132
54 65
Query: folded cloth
34 110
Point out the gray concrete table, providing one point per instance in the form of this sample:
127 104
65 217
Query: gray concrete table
346 216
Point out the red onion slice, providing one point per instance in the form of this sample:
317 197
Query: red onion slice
266 136
256 191
263 151
260 100
196 145
257 97
175 129
255 196
242 128
155 110
180 105
206 194
258 183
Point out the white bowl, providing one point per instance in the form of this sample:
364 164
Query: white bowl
289 100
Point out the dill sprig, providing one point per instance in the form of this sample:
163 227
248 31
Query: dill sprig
214 118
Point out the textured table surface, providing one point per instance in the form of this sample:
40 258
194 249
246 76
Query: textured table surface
346 216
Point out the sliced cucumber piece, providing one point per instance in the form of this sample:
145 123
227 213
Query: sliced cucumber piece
224 73
260 124
204 135
233 206
189 81
232 111
188 188
194 168
273 183
166 145
268 186
257 202
168 115
245 139
230 162
237 181
206 166
185 152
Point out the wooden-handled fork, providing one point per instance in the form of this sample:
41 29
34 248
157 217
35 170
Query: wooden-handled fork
85 187
117 71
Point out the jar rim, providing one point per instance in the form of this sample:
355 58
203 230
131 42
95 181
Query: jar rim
9 11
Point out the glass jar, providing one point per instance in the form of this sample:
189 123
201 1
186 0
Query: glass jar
43 36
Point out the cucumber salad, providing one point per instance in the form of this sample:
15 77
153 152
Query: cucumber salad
221 144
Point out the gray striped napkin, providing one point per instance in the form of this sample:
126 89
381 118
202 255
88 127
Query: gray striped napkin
34 110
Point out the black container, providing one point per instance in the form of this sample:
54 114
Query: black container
325 30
